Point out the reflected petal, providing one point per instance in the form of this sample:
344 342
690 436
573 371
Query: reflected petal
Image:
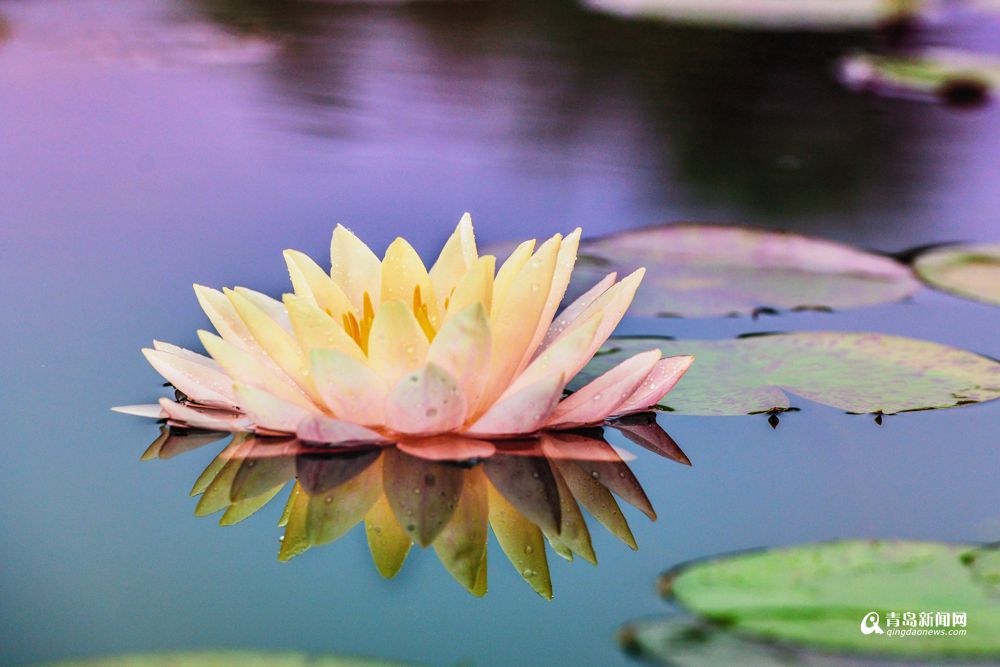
643 429
521 541
388 542
423 494
527 483
448 447
461 546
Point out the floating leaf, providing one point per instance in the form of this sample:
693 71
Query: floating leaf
954 77
225 659
970 271
856 372
695 270
681 642
814 15
816 595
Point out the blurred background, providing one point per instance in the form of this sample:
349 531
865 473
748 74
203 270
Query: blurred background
149 144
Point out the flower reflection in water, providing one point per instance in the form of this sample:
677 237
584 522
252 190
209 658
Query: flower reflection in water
438 492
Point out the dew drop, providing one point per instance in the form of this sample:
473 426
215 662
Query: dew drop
431 412
595 474
528 549
535 475
528 572
328 500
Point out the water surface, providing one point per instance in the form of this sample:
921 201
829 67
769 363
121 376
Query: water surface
149 146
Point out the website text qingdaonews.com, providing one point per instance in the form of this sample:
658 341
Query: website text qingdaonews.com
925 632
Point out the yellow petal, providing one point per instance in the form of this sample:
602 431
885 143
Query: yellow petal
461 546
272 308
476 286
515 316
225 319
388 542
349 388
456 258
279 344
565 261
573 533
396 345
246 368
355 268
463 348
309 280
316 330
511 268
403 273
521 541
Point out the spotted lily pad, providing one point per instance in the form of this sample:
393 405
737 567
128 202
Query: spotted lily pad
768 14
970 271
856 372
696 270
225 659
819 596
956 77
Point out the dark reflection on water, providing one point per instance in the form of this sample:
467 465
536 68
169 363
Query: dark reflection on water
437 492
758 123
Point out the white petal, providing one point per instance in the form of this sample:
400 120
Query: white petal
212 420
147 410
187 354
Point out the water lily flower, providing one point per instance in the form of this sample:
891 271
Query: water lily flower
383 350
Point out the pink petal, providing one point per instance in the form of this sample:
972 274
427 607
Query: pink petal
448 447
212 420
425 402
572 312
523 412
268 411
657 384
201 383
580 447
602 396
318 428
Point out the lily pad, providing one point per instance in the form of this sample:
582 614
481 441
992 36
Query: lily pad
816 596
817 15
955 77
856 372
225 659
699 270
681 642
970 271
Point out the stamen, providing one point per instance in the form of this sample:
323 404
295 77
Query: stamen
420 312
368 316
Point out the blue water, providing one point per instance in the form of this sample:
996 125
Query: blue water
147 147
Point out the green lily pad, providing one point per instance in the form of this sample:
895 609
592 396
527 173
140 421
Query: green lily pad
225 659
819 15
960 77
681 642
695 270
856 372
817 596
970 271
